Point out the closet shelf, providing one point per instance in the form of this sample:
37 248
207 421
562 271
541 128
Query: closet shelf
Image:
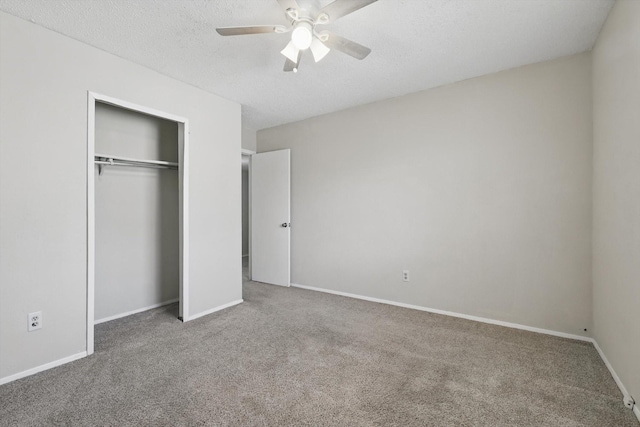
109 160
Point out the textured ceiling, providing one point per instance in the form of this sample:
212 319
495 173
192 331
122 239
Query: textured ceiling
416 44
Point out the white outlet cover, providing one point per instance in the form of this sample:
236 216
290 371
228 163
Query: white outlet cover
629 402
34 321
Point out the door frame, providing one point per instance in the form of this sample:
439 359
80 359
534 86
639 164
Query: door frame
183 197
248 153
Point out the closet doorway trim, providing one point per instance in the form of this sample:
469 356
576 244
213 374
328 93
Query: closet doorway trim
183 197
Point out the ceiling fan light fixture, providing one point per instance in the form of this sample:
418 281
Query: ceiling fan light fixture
291 52
302 35
318 49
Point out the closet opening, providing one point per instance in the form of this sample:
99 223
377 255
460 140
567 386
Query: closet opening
137 205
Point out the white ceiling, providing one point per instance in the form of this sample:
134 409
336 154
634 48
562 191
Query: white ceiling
416 44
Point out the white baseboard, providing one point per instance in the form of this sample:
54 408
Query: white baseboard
77 356
136 311
450 313
213 310
616 378
621 386
41 368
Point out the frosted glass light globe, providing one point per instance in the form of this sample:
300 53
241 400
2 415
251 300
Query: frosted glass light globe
302 35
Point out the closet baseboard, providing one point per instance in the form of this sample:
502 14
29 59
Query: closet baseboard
138 310
214 309
44 367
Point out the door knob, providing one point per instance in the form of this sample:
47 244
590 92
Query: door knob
285 225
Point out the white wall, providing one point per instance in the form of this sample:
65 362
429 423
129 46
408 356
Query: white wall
137 243
248 139
482 189
44 79
616 192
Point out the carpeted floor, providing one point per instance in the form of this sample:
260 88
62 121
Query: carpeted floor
288 356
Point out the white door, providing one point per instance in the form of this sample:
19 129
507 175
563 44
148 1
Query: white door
270 202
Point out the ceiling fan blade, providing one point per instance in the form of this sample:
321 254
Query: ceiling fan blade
291 52
289 65
340 8
257 29
346 46
318 49
289 4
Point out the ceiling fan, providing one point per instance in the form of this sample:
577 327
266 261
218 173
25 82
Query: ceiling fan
305 19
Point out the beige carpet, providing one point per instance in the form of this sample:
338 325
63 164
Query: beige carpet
293 357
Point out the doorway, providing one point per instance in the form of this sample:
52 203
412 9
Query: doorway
246 214
106 159
136 213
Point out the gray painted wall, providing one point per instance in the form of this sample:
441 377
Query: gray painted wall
482 189
616 192
44 79
137 223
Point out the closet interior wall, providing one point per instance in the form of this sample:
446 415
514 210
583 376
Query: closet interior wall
136 214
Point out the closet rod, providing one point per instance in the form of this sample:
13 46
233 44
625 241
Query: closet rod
103 160
134 164
109 158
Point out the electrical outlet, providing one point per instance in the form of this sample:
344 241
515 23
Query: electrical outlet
35 320
629 402
405 275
